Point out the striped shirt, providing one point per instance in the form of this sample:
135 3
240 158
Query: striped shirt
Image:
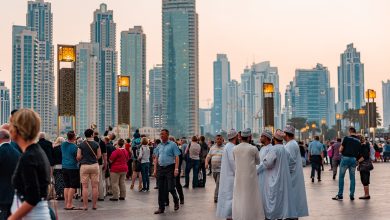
215 154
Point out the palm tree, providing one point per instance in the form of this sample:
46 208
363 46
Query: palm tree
352 115
298 123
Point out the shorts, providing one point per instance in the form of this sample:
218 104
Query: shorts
89 172
71 178
365 177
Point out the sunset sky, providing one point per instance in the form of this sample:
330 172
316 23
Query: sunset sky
290 33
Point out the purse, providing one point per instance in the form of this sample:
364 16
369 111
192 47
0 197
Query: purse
366 165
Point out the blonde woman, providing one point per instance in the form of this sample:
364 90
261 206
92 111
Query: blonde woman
57 169
144 157
32 174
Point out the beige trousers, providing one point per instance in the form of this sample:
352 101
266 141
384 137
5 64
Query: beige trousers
118 184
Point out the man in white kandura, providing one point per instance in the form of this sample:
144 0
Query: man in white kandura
225 194
296 171
274 177
246 195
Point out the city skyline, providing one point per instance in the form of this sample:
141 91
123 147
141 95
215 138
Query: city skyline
253 46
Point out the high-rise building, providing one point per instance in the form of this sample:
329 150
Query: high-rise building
233 109
40 19
350 80
4 103
133 64
205 121
221 80
24 68
180 67
313 95
386 103
87 71
252 81
155 101
103 32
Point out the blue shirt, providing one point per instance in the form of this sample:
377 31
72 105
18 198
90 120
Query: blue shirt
166 153
316 148
69 153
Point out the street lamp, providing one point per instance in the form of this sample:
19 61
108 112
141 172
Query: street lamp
323 123
338 121
362 113
371 111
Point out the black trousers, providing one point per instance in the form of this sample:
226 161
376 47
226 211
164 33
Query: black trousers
166 184
316 161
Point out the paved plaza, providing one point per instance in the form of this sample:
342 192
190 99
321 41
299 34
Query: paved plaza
199 203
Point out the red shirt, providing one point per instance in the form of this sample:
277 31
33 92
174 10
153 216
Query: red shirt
119 160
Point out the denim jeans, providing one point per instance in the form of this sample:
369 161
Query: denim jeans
192 164
347 163
145 175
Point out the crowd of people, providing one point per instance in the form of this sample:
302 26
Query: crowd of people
251 182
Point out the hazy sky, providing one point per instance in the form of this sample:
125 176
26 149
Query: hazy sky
289 33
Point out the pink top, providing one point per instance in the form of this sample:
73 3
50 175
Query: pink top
119 160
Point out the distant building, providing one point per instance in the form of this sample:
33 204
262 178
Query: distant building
39 18
155 97
151 133
221 80
386 103
180 67
233 110
87 72
205 121
313 98
103 32
4 103
133 64
25 88
350 80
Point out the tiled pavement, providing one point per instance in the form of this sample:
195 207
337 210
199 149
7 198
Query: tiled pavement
199 203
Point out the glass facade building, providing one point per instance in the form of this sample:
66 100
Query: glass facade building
24 68
133 64
350 80
155 100
221 69
180 67
103 32
40 19
87 70
4 103
386 103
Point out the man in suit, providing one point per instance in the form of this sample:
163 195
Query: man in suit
8 159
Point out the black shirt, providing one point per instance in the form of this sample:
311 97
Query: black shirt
9 157
103 149
351 146
57 155
32 175
365 151
47 146
88 152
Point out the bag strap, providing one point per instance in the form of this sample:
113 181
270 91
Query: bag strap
91 149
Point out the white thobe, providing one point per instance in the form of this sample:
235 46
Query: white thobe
247 202
297 179
226 183
275 178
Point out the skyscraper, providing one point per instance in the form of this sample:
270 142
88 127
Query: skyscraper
386 103
4 103
180 66
24 68
40 19
133 64
87 71
350 80
233 110
155 93
103 32
221 80
313 95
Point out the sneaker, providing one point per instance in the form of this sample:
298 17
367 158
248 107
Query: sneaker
121 198
159 211
312 180
112 199
351 198
334 177
319 180
338 198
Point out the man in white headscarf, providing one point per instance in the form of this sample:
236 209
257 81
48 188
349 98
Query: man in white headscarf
274 178
246 196
225 194
296 171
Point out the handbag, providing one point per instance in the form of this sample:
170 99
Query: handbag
366 165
